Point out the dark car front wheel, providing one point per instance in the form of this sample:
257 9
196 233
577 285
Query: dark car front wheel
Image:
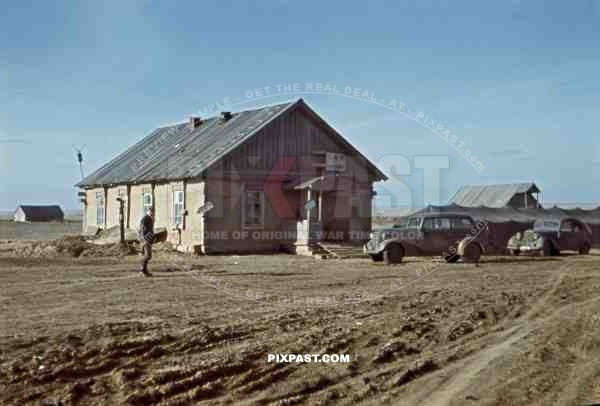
451 258
377 257
393 254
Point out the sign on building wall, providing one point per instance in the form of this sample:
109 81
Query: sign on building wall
335 162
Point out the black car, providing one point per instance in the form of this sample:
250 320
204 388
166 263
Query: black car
551 236
450 235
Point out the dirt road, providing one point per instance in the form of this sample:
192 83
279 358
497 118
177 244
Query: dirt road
512 331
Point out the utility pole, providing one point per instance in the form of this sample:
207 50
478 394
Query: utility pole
80 159
122 219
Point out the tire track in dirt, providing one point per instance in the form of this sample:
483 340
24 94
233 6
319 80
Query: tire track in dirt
71 285
217 353
472 366
468 369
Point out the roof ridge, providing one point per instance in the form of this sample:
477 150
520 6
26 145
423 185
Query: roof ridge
38 205
214 114
153 158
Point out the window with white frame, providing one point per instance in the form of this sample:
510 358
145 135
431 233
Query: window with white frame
178 199
100 209
253 209
146 202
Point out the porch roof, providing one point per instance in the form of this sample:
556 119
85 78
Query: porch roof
309 183
325 183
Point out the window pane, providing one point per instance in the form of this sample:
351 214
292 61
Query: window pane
462 224
178 207
253 208
443 224
566 226
428 224
99 208
146 202
436 224
414 222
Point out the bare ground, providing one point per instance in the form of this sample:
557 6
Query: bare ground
88 330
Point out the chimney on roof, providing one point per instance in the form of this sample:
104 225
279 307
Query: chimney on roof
226 115
195 122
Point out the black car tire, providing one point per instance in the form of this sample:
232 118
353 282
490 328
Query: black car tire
515 253
584 249
377 257
547 249
472 253
451 259
393 254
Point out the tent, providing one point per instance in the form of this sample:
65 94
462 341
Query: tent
504 222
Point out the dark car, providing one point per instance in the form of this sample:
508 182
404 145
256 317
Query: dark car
551 236
450 235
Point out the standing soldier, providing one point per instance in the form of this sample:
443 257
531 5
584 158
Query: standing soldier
146 233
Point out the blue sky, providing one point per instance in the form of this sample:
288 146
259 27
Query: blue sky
517 82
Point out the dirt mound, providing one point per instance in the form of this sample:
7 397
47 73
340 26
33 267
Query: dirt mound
77 247
113 235
72 246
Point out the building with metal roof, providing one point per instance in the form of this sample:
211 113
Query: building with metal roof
515 195
255 169
186 150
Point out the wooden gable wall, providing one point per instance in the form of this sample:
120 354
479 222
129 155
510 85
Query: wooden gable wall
297 135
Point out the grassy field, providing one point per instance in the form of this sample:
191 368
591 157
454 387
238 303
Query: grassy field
9 230
90 331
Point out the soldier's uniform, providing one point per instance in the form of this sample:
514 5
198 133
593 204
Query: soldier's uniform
147 235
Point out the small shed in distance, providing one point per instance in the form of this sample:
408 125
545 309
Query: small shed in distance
515 195
38 213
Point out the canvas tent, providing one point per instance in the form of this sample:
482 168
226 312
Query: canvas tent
503 222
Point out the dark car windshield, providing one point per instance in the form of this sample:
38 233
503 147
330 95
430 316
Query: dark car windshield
546 225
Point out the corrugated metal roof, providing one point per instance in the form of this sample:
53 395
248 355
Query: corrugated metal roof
491 195
182 152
